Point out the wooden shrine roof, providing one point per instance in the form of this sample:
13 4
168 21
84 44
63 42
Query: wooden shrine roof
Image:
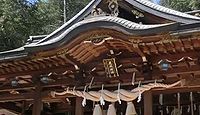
73 54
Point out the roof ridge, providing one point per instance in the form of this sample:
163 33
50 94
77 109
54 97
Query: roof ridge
150 6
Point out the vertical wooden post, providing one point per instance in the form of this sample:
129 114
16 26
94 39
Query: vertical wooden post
23 107
78 108
191 103
37 105
179 101
148 103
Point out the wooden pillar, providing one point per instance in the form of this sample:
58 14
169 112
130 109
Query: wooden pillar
148 103
23 107
191 103
78 106
37 104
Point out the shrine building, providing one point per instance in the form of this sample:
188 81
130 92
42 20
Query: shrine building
115 57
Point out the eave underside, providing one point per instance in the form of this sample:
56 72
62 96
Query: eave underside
91 49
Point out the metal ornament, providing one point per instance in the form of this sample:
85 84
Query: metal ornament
164 64
110 67
45 79
97 11
113 7
137 14
14 83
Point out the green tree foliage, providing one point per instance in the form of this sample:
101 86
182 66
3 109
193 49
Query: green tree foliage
181 5
48 16
13 16
74 6
20 19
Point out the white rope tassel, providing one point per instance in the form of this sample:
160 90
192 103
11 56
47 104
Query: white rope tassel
118 94
84 102
195 107
111 110
161 99
97 110
181 111
140 93
139 97
130 110
84 99
188 110
167 109
133 79
102 102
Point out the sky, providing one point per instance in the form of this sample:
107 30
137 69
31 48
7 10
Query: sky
32 1
156 1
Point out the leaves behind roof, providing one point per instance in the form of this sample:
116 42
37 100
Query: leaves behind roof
181 5
19 19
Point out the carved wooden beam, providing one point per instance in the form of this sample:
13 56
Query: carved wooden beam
18 97
39 71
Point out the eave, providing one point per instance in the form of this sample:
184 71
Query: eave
163 12
103 22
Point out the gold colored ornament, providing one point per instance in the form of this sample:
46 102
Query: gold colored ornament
137 13
110 67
